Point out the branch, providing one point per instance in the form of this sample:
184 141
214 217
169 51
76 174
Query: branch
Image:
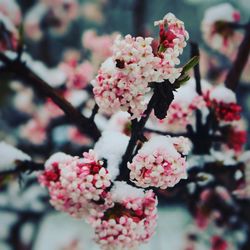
197 75
23 166
84 124
161 99
136 131
233 76
139 17
165 132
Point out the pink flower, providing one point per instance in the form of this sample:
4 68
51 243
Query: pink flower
223 101
158 164
76 184
217 32
123 80
130 222
78 76
34 131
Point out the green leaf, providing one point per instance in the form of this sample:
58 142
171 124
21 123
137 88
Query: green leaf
190 64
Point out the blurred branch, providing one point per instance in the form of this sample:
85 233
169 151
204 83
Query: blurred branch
197 75
233 76
139 14
23 166
84 124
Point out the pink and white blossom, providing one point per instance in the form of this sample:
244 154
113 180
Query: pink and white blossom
158 164
216 29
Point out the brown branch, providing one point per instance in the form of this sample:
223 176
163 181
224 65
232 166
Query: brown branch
84 124
233 76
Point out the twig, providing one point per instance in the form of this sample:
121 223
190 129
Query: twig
75 116
94 112
165 132
233 76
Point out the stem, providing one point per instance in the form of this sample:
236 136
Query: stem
84 124
233 76
197 75
137 128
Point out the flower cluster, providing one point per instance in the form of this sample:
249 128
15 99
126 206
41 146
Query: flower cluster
51 15
159 164
181 111
216 28
223 102
130 222
78 76
77 186
122 81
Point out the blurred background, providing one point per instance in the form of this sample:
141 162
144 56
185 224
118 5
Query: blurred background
26 219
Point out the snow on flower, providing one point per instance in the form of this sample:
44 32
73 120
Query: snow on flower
223 101
122 81
182 144
120 122
9 154
112 152
130 222
53 15
181 110
217 32
76 185
158 164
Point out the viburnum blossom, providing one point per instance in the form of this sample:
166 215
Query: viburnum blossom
216 28
173 38
158 163
53 15
34 131
236 139
223 102
122 81
99 46
130 222
78 76
181 110
77 186
218 243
